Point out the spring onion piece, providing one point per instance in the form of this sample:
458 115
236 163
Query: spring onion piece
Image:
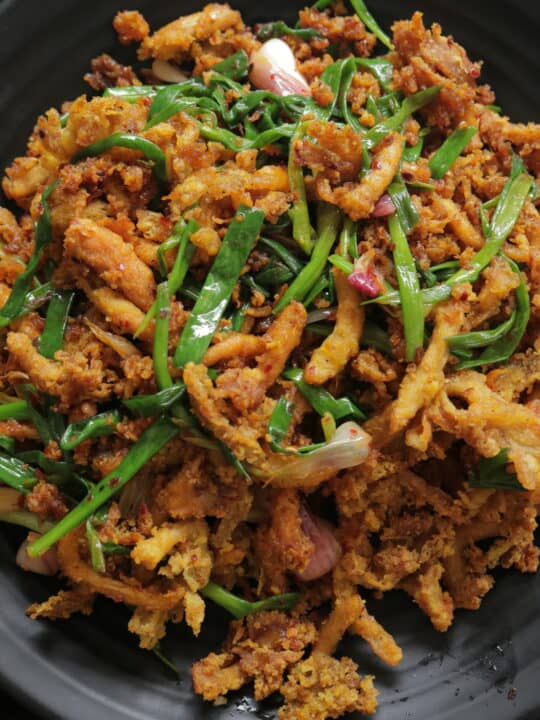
299 213
279 424
55 323
7 443
480 338
161 338
239 608
167 102
381 68
16 410
506 215
290 260
443 159
328 424
179 238
321 400
409 289
375 337
274 274
404 206
506 344
322 4
342 264
110 548
42 237
347 75
151 441
95 547
58 471
316 290
235 66
16 473
328 220
150 405
165 660
150 150
98 426
410 105
218 286
279 28
26 519
492 473
369 21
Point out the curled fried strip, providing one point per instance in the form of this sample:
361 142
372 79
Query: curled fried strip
490 424
358 199
344 614
246 387
423 382
344 342
78 571
113 259
233 346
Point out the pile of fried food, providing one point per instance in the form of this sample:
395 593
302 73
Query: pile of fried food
270 316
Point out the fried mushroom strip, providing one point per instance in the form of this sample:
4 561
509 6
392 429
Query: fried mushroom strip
343 343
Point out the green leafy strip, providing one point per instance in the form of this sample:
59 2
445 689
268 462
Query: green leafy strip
215 294
150 150
42 237
492 473
409 289
55 323
151 441
239 608
443 159
321 400
100 425
329 218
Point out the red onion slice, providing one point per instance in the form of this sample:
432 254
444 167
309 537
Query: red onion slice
273 68
46 564
327 550
384 206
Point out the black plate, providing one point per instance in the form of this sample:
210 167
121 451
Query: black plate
487 666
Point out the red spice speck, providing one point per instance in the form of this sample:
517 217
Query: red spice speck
113 482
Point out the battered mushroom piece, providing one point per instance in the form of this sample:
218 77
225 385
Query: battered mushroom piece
261 647
343 342
322 687
174 41
107 72
425 58
130 26
358 199
113 259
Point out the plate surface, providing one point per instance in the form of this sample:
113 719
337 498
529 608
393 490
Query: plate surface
486 667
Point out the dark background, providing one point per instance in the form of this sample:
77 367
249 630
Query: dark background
469 673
